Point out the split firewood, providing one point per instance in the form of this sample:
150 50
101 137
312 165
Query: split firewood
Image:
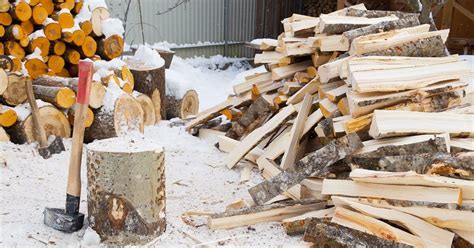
62 97
258 214
254 116
319 58
54 123
321 232
412 178
323 88
389 123
461 145
15 92
328 108
97 93
182 107
330 70
379 13
148 108
151 82
116 118
8 116
330 24
311 165
426 231
298 224
397 192
289 70
330 43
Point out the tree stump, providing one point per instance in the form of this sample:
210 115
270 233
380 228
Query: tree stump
151 82
116 119
182 107
54 122
126 190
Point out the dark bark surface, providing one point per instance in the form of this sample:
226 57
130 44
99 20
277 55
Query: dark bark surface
427 47
380 27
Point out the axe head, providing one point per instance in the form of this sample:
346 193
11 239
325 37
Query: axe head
55 147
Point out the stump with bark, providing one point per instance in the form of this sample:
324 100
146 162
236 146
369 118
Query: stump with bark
126 190
151 82
182 107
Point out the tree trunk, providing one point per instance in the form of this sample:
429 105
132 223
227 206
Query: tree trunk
427 47
251 119
323 233
116 119
313 164
15 92
187 105
151 82
410 21
97 93
148 108
62 97
54 123
126 192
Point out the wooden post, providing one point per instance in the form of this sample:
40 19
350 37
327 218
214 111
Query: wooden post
126 190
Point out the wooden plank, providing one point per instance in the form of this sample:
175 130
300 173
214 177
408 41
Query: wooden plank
422 229
268 57
289 70
466 143
296 133
397 192
464 11
257 135
309 88
333 43
330 70
337 94
375 227
389 123
413 178
247 85
447 14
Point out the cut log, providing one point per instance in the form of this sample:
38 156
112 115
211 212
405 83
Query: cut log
331 24
111 47
289 70
389 123
4 6
57 47
249 142
407 78
72 56
21 11
148 108
14 32
62 97
8 116
259 214
253 117
126 190
42 43
52 29
313 164
376 227
98 15
39 14
379 13
330 43
116 119
410 21
330 70
397 192
71 113
97 93
3 81
298 224
323 233
3 135
15 93
187 105
14 49
441 217
54 123
36 67
296 133
151 82
56 63
426 231
64 18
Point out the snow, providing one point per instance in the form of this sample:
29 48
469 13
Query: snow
147 57
260 41
37 34
24 110
113 92
16 31
112 26
85 14
91 238
64 10
35 55
75 27
203 74
109 65
93 4
48 21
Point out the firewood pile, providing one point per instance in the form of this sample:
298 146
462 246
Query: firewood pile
45 41
361 127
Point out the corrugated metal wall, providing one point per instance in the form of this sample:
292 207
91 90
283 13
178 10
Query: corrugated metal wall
191 22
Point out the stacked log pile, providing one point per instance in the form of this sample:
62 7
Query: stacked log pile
45 40
362 129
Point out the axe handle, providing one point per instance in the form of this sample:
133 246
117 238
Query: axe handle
39 129
82 103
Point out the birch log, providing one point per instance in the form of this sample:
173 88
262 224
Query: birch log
182 107
126 190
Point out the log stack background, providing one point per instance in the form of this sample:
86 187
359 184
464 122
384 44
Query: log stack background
361 115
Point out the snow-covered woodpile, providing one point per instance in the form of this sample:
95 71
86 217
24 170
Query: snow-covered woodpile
362 127
46 39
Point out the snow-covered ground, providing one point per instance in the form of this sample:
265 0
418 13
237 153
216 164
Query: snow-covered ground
196 179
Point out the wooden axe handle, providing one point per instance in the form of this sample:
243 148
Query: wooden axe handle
82 103
39 129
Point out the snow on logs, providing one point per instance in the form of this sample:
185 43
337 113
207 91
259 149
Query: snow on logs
126 190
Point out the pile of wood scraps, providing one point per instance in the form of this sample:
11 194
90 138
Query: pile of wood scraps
362 128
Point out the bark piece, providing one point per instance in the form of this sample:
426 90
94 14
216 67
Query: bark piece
184 107
379 13
326 234
331 25
151 82
312 165
126 192
298 224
